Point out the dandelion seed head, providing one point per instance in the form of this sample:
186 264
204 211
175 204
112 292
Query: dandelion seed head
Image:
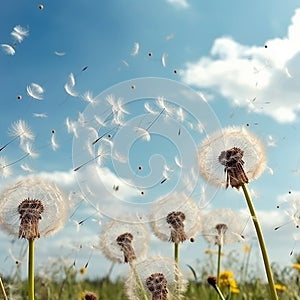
221 227
157 285
156 274
214 149
174 218
37 199
120 241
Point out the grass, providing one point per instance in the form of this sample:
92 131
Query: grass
65 283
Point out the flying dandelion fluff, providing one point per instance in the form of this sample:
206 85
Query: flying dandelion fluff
140 125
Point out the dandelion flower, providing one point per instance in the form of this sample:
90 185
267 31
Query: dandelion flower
124 242
174 218
32 208
155 276
232 156
221 227
227 279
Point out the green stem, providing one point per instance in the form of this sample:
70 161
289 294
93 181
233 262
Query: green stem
176 259
216 287
3 290
138 279
219 264
261 243
31 269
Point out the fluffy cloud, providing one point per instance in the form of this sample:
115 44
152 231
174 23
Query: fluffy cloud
262 78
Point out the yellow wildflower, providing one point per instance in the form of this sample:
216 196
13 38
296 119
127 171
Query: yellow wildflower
246 248
227 279
280 287
296 266
82 271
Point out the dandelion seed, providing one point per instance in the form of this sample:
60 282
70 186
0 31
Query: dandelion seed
40 115
35 91
143 133
58 53
8 49
164 59
124 242
88 97
70 90
26 168
150 54
135 50
149 109
241 154
54 144
71 127
21 129
5 170
177 162
19 33
41 7
19 97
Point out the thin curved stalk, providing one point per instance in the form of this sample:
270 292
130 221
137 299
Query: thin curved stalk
139 282
3 290
262 244
219 264
31 269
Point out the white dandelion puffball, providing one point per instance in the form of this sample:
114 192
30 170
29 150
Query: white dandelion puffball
53 203
151 267
178 203
114 229
254 156
222 226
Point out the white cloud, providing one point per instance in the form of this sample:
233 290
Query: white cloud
265 80
179 3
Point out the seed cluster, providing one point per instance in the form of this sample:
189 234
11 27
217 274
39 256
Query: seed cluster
221 231
30 213
157 285
232 159
124 241
175 219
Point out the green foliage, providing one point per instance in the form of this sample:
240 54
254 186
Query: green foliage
62 281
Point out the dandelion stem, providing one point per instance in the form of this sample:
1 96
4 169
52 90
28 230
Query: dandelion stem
3 290
219 264
261 243
176 259
138 279
31 269
219 292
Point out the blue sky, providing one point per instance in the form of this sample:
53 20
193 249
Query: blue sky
217 48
